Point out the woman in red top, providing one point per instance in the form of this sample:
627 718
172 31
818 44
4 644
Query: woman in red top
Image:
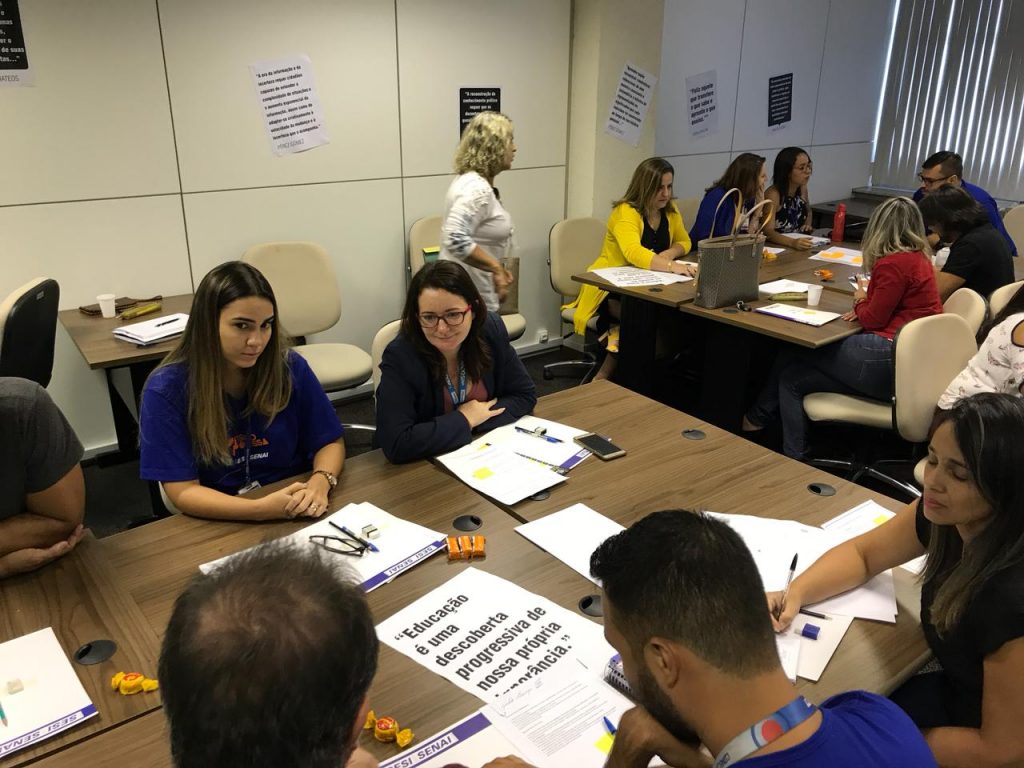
902 288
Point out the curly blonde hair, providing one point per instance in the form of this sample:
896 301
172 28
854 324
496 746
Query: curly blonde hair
484 145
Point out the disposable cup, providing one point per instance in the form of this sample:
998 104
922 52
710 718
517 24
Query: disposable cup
106 301
813 295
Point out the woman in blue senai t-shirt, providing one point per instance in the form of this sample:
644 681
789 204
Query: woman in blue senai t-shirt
232 408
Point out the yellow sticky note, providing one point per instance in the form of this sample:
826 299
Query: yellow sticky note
880 519
605 743
483 473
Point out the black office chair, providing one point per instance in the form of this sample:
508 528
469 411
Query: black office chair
28 327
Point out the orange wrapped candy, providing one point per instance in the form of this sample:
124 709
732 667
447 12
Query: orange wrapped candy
404 738
385 729
371 720
823 274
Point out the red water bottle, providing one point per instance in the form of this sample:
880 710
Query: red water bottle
839 223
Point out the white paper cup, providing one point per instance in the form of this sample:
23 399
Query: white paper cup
106 301
813 295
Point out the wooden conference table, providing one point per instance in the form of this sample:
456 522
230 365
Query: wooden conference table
103 351
661 470
726 333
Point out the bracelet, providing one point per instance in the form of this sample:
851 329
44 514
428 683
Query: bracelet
332 481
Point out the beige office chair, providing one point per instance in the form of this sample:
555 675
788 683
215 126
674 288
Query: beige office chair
308 302
1001 296
928 352
426 233
970 305
688 207
381 340
28 329
1014 223
573 244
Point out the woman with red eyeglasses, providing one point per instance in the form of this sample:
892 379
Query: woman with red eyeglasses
450 373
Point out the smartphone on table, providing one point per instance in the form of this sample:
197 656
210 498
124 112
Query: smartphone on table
599 446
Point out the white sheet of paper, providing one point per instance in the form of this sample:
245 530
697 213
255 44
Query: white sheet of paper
498 472
816 654
863 518
558 720
773 544
778 286
788 646
837 254
628 109
402 544
288 100
798 314
486 635
626 277
773 249
471 741
565 454
52 698
151 331
571 534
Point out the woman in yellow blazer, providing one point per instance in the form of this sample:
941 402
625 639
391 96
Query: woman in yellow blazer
646 230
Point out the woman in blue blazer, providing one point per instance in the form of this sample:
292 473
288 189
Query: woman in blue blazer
450 373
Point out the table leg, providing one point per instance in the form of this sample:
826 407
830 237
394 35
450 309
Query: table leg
637 342
724 380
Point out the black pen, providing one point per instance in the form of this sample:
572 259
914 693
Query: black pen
815 614
165 322
789 579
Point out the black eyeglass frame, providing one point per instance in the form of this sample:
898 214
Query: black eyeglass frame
355 548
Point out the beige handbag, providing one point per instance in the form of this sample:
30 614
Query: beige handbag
729 264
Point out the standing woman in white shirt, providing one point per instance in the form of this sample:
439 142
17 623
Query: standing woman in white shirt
476 230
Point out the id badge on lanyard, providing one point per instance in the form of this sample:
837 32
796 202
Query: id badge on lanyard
462 386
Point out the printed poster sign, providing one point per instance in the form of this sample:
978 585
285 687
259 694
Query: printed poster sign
473 101
14 69
702 96
291 107
630 105
488 635
780 100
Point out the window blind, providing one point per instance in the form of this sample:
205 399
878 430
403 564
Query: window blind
954 80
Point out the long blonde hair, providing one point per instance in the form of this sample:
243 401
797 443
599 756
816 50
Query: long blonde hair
895 226
484 145
645 184
269 383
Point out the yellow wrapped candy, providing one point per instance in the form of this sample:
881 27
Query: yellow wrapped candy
129 683
371 720
404 738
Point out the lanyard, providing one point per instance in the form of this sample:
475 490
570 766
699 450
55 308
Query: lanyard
248 450
462 386
765 731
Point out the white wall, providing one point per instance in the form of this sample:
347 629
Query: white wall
136 176
836 52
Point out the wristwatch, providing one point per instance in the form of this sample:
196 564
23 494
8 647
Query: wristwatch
331 479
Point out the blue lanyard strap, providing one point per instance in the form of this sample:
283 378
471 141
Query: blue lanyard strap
456 402
765 731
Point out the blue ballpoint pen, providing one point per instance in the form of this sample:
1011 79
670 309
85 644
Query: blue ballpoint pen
538 432
368 544
608 726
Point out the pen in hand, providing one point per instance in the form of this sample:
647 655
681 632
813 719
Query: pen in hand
785 592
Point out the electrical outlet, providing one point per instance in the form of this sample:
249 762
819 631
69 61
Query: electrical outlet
542 335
